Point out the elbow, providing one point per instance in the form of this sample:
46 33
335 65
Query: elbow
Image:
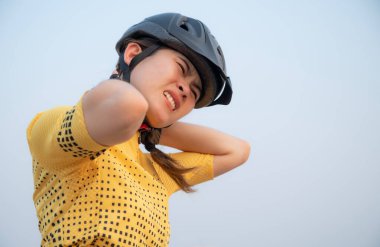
236 157
113 112
243 151
133 107
132 111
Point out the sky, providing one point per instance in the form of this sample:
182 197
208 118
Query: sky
306 81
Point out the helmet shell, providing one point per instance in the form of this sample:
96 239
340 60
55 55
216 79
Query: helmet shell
194 40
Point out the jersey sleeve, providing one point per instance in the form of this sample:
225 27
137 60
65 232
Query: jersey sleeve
203 169
58 137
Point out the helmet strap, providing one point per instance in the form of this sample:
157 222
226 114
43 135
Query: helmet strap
125 69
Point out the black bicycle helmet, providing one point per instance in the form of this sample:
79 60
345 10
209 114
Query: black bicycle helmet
194 40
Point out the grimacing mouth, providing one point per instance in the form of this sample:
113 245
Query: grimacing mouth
171 99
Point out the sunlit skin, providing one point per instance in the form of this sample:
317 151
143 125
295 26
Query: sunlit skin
114 109
165 72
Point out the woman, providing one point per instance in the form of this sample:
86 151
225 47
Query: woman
93 184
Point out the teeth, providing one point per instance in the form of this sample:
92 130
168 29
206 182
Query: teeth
171 100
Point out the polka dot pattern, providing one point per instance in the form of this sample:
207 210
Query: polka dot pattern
89 195
67 141
117 202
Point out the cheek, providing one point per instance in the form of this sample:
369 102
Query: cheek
153 79
157 115
186 109
167 71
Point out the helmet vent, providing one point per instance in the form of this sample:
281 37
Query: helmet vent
184 26
220 51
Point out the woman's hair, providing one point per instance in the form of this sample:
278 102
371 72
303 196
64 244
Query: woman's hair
151 137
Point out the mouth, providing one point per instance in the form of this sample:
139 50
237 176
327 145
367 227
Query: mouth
172 101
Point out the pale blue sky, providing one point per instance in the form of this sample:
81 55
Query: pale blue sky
306 79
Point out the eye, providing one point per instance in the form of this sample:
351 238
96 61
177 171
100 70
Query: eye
195 93
182 68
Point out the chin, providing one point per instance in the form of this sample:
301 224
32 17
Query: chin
158 121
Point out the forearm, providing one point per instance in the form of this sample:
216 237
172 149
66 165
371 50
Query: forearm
200 139
229 151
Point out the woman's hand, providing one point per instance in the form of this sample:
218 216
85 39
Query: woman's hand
229 151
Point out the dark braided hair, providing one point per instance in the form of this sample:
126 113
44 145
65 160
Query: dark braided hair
151 137
171 167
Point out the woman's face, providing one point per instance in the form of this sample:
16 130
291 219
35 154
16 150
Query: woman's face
170 84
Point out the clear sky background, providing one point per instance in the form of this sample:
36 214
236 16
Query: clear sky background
306 79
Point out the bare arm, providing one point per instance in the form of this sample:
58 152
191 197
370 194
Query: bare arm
113 111
229 151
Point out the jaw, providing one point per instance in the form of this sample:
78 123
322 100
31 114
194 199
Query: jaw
158 118
160 113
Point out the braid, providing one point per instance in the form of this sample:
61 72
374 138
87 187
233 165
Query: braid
171 167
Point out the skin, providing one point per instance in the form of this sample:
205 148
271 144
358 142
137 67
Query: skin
165 71
114 110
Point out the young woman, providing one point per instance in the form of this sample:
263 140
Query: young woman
93 184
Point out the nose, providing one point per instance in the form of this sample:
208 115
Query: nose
184 89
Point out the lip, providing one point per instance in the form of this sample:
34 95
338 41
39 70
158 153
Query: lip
175 98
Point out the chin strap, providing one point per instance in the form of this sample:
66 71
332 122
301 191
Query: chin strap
145 128
125 69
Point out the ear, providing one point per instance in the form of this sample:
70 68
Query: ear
131 51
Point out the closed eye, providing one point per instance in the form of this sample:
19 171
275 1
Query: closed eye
196 92
182 68
195 89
